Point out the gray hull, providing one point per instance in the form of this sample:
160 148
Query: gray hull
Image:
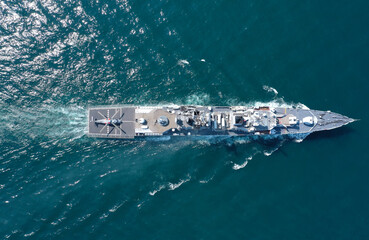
128 122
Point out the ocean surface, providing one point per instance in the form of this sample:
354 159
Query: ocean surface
57 58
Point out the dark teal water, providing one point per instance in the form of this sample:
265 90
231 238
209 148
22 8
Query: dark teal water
56 59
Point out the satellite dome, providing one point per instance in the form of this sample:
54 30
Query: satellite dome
142 121
163 120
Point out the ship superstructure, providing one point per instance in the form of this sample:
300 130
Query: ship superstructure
128 122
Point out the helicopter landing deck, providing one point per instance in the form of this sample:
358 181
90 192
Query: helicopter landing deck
111 122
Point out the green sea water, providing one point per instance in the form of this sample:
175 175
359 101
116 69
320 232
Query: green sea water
57 58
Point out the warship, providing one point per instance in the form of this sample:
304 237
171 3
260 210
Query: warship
131 122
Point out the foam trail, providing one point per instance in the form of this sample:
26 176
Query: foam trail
198 99
239 166
302 106
52 122
270 89
161 187
299 137
206 181
173 186
158 138
274 103
183 62
270 152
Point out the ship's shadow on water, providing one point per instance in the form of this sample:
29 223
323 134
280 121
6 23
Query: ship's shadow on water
277 143
238 146
335 133
260 146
